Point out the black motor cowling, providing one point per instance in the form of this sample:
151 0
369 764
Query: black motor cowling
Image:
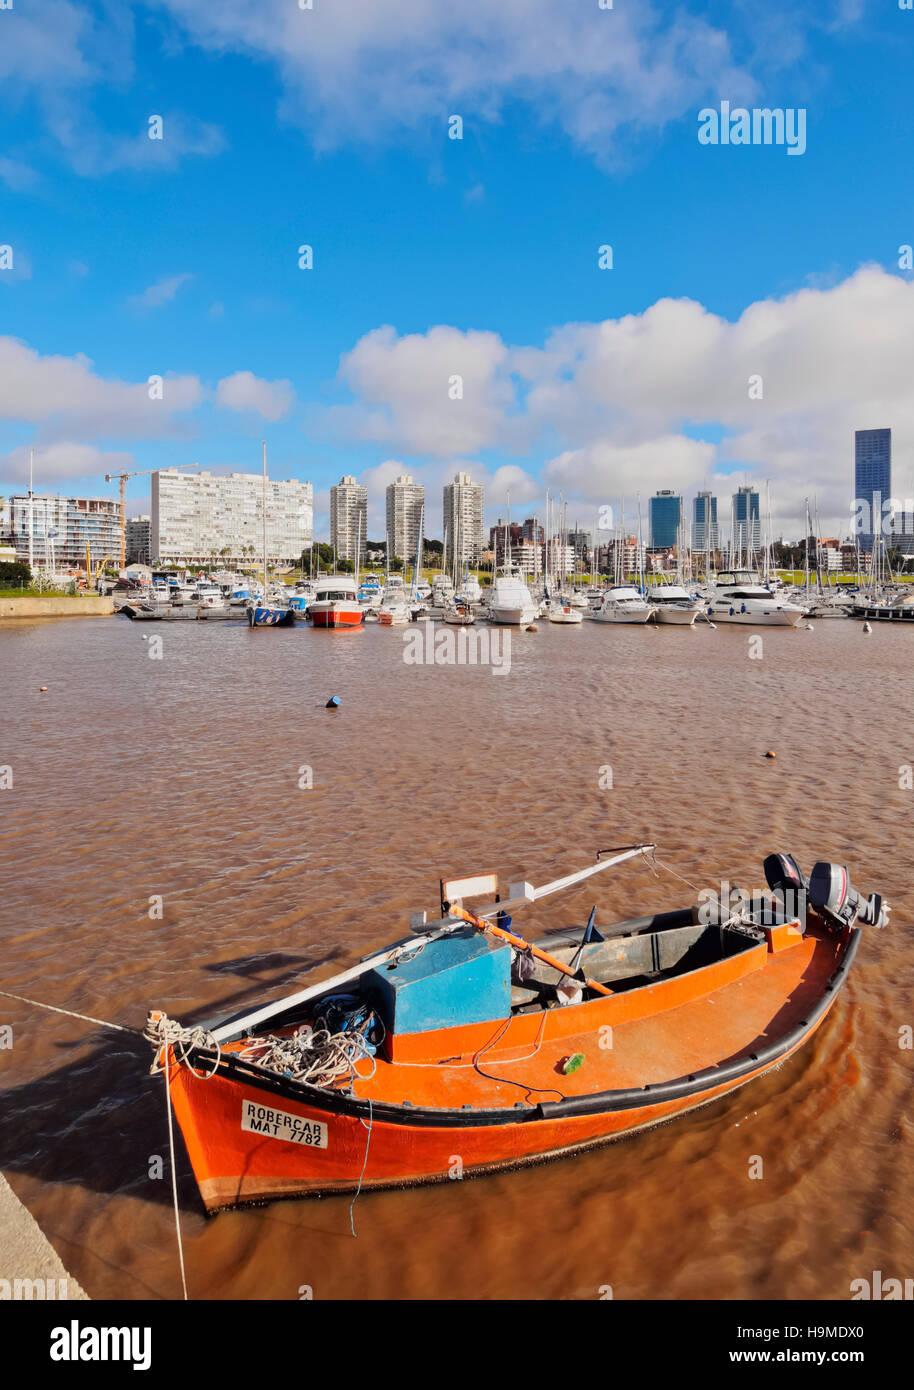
788 884
833 895
828 889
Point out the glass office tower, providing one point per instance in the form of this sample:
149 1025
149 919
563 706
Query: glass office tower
872 479
666 514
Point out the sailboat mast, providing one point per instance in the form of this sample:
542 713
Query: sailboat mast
640 547
417 561
264 521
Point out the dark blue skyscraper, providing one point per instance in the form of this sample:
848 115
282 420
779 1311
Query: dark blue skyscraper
872 480
666 514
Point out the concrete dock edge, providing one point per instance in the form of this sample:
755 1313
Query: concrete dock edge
83 606
28 1260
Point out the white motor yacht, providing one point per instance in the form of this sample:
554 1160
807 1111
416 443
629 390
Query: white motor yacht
672 603
509 600
336 602
738 596
394 611
622 603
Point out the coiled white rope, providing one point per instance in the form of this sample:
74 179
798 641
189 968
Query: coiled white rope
312 1055
315 1056
164 1032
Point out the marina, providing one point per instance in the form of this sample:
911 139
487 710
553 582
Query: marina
340 600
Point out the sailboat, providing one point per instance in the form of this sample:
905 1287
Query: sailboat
263 613
509 600
558 606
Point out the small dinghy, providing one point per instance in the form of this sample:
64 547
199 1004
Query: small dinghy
270 615
464 1038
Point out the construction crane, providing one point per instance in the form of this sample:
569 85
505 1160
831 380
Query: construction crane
122 479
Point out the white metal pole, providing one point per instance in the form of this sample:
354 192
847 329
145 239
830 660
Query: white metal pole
264 522
31 508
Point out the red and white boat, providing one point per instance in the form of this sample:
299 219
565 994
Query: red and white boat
464 1043
336 602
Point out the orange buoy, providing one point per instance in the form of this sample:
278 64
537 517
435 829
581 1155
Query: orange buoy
42 687
769 754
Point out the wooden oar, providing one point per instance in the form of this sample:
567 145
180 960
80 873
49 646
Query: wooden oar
522 945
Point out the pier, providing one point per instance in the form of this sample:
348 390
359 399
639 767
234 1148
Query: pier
30 1267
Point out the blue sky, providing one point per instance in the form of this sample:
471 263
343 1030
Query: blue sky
574 136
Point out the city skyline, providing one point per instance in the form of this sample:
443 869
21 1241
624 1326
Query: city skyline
662 514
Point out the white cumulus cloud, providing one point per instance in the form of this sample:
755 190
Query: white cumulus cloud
245 391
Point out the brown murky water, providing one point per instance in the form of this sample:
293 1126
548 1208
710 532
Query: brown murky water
135 777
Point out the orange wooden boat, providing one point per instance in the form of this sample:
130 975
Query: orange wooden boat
465 1048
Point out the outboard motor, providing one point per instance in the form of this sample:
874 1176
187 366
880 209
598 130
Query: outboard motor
832 894
788 884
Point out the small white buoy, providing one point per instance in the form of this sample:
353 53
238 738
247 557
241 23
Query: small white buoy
808 627
145 638
867 628
42 687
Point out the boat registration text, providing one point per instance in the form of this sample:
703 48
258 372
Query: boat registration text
280 1124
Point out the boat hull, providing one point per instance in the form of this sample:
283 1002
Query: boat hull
336 614
678 617
771 617
254 1135
632 615
234 1166
266 617
513 617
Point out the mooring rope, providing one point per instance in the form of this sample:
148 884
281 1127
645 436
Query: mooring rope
70 1013
164 1032
654 861
101 1023
174 1179
364 1166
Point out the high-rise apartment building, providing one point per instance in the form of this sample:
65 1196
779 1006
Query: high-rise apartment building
202 518
349 519
462 513
61 527
405 516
